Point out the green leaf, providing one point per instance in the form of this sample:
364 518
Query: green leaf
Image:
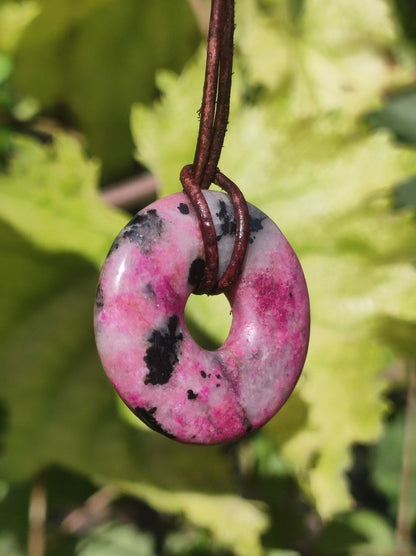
282 553
13 518
359 533
241 533
406 10
193 542
157 130
296 8
270 479
49 194
404 195
14 18
386 463
399 115
179 114
5 67
5 144
93 74
113 538
332 57
9 546
400 334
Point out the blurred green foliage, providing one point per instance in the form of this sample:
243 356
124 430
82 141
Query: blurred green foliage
321 137
406 11
87 61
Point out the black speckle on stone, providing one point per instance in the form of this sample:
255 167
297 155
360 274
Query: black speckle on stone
218 376
149 291
148 417
162 354
144 229
228 226
203 374
218 385
255 225
99 296
196 272
290 294
183 208
222 215
192 395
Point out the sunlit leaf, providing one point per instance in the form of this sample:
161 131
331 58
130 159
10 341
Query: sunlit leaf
50 195
241 533
334 55
14 17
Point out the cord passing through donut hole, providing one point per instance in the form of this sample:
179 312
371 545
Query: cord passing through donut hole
209 281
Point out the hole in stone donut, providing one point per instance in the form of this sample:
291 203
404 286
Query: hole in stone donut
208 319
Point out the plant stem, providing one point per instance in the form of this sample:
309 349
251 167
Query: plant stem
132 194
201 9
405 511
37 520
94 511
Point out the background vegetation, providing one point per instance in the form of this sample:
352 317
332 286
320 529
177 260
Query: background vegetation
321 137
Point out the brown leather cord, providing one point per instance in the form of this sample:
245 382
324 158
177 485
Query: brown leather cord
242 233
209 235
223 98
204 171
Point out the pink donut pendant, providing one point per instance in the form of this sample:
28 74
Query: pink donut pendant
172 384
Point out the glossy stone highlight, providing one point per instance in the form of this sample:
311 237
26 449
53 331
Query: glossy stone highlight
170 382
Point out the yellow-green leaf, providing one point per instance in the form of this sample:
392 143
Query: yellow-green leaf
49 194
334 56
234 522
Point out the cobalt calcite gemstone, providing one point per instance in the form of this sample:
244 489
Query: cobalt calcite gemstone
172 384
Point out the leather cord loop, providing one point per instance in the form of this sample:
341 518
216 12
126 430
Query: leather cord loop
204 170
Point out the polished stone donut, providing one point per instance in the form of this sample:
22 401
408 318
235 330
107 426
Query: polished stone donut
172 384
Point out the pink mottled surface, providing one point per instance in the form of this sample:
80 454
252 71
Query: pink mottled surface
161 373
